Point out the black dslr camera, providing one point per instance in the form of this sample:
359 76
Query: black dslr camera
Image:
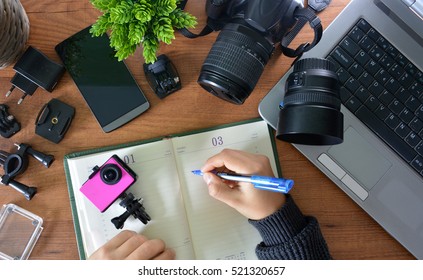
249 32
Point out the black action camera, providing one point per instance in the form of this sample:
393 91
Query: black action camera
249 31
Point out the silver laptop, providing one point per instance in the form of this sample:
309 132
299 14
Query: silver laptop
387 184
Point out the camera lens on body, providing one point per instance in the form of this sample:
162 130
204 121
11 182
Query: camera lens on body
235 62
110 174
310 112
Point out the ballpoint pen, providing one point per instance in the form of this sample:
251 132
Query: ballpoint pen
259 182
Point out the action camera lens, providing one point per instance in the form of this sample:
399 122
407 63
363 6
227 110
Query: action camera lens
110 174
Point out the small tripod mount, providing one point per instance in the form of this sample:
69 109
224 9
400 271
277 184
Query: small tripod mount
15 164
133 207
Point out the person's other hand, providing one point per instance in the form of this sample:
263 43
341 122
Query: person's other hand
128 245
253 203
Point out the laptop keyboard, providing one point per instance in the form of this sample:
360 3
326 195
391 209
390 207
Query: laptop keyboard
383 89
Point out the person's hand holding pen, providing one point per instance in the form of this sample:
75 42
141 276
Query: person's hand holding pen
251 202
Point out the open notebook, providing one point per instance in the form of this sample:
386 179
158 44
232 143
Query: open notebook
182 213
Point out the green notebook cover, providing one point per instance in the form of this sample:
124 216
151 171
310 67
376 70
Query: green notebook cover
142 142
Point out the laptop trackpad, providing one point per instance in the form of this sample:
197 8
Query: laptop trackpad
360 159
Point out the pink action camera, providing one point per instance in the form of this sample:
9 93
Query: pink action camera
108 182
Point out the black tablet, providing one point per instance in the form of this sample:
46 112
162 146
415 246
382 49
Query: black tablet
106 84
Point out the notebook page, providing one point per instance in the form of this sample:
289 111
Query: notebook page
217 230
157 184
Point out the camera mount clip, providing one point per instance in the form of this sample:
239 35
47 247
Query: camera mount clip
53 120
162 76
133 207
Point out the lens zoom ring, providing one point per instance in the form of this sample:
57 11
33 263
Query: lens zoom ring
258 45
312 98
236 61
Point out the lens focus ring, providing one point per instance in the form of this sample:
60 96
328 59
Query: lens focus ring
312 98
314 63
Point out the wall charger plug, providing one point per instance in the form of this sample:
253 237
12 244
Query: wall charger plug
34 69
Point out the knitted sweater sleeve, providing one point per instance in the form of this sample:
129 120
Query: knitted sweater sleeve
289 235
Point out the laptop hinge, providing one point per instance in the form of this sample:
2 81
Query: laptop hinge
416 6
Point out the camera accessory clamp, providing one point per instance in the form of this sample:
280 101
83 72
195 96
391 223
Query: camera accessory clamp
133 207
15 164
8 124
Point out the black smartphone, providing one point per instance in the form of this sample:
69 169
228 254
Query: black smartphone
106 84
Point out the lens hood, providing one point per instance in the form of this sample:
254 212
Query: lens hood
310 125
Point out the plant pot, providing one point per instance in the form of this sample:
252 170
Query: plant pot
14 26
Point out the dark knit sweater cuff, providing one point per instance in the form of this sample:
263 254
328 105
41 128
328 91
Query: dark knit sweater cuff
282 225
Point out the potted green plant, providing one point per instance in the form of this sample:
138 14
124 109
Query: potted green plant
145 23
14 26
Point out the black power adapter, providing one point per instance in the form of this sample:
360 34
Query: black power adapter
34 69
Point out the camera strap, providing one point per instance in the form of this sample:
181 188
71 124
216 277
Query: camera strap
206 30
211 25
303 15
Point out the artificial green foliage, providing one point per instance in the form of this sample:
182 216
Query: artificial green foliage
140 22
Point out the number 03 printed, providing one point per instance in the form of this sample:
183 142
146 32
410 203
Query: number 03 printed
217 141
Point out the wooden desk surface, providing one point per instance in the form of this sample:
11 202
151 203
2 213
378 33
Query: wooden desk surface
349 231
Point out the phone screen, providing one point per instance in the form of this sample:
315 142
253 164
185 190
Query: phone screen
106 84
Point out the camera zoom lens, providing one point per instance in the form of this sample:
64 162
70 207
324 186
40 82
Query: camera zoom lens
310 112
235 63
110 174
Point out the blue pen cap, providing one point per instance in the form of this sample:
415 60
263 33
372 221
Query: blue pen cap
275 184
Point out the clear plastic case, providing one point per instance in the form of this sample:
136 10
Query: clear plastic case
19 232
